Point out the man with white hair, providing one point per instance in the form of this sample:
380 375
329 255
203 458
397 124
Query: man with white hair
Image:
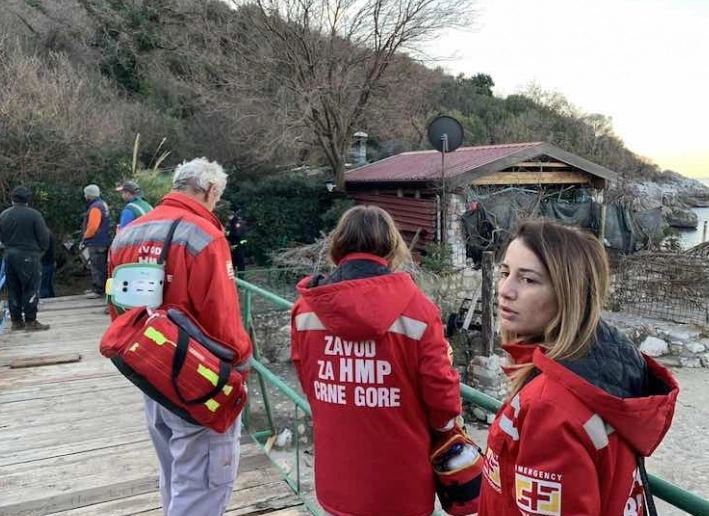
197 465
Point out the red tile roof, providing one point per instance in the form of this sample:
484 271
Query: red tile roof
426 165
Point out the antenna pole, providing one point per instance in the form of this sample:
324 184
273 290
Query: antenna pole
444 201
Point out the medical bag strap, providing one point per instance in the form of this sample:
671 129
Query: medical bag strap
168 242
651 510
183 340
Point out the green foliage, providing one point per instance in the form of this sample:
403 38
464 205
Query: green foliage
437 258
280 211
332 216
155 184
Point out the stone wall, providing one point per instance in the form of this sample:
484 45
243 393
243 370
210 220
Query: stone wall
449 289
455 233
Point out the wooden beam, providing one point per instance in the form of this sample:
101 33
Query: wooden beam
543 164
45 360
533 178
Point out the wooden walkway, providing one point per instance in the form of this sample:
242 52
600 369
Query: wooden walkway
73 438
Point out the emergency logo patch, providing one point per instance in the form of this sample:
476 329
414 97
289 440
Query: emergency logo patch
229 269
491 470
536 496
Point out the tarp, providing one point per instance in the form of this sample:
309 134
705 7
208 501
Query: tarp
494 218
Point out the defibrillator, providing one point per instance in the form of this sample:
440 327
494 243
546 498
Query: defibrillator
136 285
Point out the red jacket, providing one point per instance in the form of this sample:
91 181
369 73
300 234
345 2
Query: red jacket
564 446
199 274
373 362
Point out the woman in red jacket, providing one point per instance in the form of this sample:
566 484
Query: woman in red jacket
374 364
585 405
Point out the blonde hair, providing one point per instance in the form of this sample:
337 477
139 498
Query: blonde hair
577 266
368 229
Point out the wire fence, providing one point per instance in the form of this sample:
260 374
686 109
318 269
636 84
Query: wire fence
668 286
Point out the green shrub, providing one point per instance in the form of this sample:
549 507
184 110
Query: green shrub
437 258
283 210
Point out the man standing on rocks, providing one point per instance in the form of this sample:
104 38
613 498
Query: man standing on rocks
25 236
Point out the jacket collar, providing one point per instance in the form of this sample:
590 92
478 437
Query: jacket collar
185 202
363 256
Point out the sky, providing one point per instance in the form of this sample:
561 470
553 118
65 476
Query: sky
643 63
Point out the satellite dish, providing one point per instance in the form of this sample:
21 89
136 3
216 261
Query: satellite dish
445 133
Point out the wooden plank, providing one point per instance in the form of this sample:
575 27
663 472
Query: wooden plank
246 492
45 360
89 478
487 293
543 164
73 438
532 178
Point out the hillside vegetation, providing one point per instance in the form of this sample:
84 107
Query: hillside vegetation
79 79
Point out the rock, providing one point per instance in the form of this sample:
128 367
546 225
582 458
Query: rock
676 347
695 347
691 362
704 359
284 438
680 218
480 414
654 347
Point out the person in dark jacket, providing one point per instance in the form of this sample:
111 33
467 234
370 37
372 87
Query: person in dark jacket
25 236
236 235
46 288
96 236
586 407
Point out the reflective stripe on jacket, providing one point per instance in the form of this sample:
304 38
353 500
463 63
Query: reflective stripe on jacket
199 273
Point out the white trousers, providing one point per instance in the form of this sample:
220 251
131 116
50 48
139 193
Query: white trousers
197 465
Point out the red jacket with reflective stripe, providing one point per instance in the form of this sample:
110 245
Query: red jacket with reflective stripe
565 447
199 273
374 364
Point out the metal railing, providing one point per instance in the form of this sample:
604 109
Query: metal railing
672 494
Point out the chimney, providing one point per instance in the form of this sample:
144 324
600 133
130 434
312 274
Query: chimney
359 148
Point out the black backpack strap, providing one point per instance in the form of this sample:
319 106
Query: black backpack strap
651 510
168 242
183 341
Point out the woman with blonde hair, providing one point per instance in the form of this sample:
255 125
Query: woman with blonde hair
372 359
585 406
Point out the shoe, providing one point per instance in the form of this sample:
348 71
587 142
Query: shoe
35 326
93 295
17 325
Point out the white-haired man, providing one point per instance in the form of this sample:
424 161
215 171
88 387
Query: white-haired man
197 465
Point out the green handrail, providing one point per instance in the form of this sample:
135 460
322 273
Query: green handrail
672 494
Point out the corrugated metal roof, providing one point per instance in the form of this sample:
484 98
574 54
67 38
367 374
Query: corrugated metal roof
410 215
426 165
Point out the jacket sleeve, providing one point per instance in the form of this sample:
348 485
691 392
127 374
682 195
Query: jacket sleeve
213 294
93 223
440 383
555 472
295 347
127 216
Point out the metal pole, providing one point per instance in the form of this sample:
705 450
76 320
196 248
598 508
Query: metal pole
444 200
704 232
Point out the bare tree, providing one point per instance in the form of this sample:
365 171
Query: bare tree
331 56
